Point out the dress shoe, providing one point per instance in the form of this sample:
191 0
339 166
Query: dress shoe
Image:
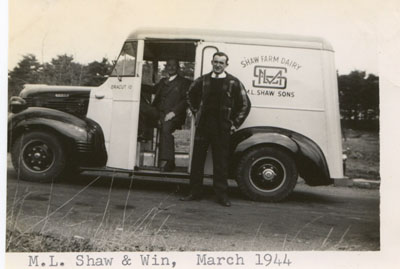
190 197
224 201
167 166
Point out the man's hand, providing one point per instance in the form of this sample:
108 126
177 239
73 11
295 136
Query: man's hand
169 116
233 129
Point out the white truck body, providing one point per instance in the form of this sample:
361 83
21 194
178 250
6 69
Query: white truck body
293 128
291 82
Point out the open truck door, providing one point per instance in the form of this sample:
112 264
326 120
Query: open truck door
115 107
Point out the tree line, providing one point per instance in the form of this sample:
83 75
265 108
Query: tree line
359 100
61 70
358 92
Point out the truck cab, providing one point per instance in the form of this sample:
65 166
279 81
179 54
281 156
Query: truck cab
293 128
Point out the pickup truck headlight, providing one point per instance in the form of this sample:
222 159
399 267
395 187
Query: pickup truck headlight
17 104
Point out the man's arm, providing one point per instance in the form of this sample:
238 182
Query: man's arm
242 104
157 94
194 94
181 105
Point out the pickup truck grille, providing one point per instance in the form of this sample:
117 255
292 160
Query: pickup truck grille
76 106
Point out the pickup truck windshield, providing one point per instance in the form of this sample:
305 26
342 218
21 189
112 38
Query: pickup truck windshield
126 63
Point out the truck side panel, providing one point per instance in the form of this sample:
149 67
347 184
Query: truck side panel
294 89
332 116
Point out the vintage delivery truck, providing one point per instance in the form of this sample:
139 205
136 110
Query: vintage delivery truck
293 128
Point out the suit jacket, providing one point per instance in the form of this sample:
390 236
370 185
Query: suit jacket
234 104
171 97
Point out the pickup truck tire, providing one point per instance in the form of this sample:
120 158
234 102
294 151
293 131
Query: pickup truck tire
38 156
267 174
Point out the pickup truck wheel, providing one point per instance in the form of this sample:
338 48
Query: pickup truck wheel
38 156
267 174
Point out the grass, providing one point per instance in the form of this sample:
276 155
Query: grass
362 150
143 234
40 242
58 231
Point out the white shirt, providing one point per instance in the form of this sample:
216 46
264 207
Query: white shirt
222 75
173 77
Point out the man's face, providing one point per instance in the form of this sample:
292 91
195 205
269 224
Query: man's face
171 67
219 64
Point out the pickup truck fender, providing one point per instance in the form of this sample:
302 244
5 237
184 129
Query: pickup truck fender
309 158
82 136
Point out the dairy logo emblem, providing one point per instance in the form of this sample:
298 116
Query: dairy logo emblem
270 77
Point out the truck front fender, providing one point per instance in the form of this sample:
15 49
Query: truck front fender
309 158
61 122
82 136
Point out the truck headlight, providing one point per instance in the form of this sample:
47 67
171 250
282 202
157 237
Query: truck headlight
17 104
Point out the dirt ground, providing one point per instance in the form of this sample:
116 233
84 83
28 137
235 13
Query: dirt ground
111 215
149 217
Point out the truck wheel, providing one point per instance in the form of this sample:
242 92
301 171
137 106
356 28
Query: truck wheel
38 156
267 174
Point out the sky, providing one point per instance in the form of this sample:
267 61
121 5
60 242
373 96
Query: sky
91 29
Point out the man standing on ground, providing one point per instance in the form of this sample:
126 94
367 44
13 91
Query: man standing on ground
170 101
220 104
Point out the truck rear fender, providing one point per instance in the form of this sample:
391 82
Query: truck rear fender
309 158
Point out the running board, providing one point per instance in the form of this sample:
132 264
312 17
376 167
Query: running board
137 172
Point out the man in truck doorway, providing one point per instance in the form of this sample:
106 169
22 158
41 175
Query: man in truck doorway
220 104
170 101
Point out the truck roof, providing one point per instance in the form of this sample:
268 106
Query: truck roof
235 37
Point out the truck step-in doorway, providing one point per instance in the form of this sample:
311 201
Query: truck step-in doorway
156 54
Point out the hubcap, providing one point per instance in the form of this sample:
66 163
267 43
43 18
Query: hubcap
37 156
267 174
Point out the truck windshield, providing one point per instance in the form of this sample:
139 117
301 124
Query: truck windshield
126 63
